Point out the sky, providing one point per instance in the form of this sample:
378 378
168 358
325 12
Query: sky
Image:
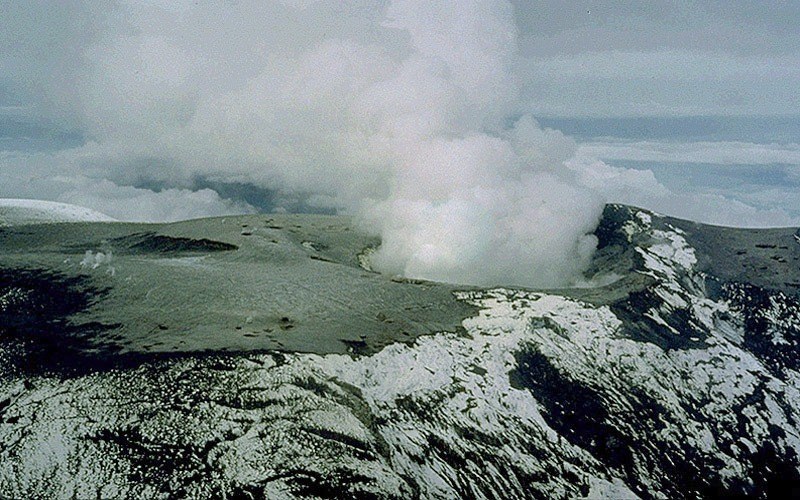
660 58
454 129
577 58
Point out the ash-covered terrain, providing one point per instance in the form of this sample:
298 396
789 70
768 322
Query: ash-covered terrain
260 357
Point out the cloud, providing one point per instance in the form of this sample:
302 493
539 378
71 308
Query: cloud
660 82
125 202
61 176
771 197
717 153
737 27
622 58
641 188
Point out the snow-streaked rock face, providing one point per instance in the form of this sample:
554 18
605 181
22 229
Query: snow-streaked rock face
685 387
14 212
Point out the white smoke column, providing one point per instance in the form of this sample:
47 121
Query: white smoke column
484 210
470 202
406 114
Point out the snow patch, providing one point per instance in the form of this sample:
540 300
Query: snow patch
14 212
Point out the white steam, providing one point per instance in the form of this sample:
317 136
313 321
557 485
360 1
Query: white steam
406 113
399 112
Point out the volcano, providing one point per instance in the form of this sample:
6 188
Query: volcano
261 356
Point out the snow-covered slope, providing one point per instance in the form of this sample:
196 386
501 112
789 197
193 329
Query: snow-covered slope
669 383
14 212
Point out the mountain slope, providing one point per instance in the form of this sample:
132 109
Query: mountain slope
677 378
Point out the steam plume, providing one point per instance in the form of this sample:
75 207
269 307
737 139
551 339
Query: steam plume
406 114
